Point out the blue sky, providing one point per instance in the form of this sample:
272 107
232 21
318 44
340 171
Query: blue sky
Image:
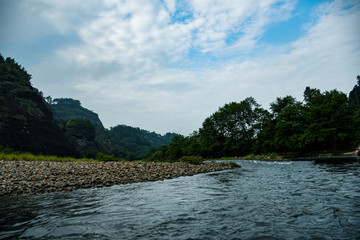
166 65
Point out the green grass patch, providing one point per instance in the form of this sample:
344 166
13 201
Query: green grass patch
106 158
32 157
250 156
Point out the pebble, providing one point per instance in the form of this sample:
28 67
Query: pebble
34 177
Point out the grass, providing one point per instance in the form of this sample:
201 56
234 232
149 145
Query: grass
32 157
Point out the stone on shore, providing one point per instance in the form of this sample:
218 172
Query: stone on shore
32 177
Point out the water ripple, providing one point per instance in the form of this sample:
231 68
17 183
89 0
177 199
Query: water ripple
262 200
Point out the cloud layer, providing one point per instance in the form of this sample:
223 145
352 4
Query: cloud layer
167 65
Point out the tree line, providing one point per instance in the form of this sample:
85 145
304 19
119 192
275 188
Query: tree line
325 121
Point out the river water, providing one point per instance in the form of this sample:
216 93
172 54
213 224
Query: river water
261 200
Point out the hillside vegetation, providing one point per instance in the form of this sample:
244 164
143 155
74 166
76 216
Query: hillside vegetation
26 122
30 123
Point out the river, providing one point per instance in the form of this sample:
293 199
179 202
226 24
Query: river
261 200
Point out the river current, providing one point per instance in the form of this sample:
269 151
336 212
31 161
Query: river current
261 200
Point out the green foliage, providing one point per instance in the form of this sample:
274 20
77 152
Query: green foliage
26 122
9 69
6 150
192 159
69 109
134 143
283 131
81 128
20 117
106 158
121 141
157 156
15 156
354 95
232 130
328 120
250 156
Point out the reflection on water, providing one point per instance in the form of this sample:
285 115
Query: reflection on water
272 200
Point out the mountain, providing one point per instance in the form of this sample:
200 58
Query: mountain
61 126
68 109
122 141
26 122
82 126
135 142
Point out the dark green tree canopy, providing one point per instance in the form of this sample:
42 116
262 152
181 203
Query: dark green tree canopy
328 120
354 95
281 104
26 122
11 70
232 128
81 128
283 132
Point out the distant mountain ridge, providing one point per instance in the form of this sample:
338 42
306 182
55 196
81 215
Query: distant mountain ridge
122 141
68 109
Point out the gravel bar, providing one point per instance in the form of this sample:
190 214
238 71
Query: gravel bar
34 177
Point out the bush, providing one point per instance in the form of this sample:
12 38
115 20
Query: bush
192 159
251 156
14 156
106 158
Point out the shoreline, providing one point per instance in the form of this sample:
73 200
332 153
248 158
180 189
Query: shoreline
18 177
295 157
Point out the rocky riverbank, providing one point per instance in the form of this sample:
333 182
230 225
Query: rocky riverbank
33 177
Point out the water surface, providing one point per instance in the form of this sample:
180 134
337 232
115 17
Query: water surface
261 200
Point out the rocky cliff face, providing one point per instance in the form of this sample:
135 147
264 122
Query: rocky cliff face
26 122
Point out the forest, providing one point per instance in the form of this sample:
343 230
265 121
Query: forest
323 122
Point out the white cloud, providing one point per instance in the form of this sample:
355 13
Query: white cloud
126 67
65 16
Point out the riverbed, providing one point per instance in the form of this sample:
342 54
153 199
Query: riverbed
261 200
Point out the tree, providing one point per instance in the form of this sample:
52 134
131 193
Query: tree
354 95
232 130
354 102
175 150
289 127
282 133
81 128
328 120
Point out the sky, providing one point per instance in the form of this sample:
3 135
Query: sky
167 65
